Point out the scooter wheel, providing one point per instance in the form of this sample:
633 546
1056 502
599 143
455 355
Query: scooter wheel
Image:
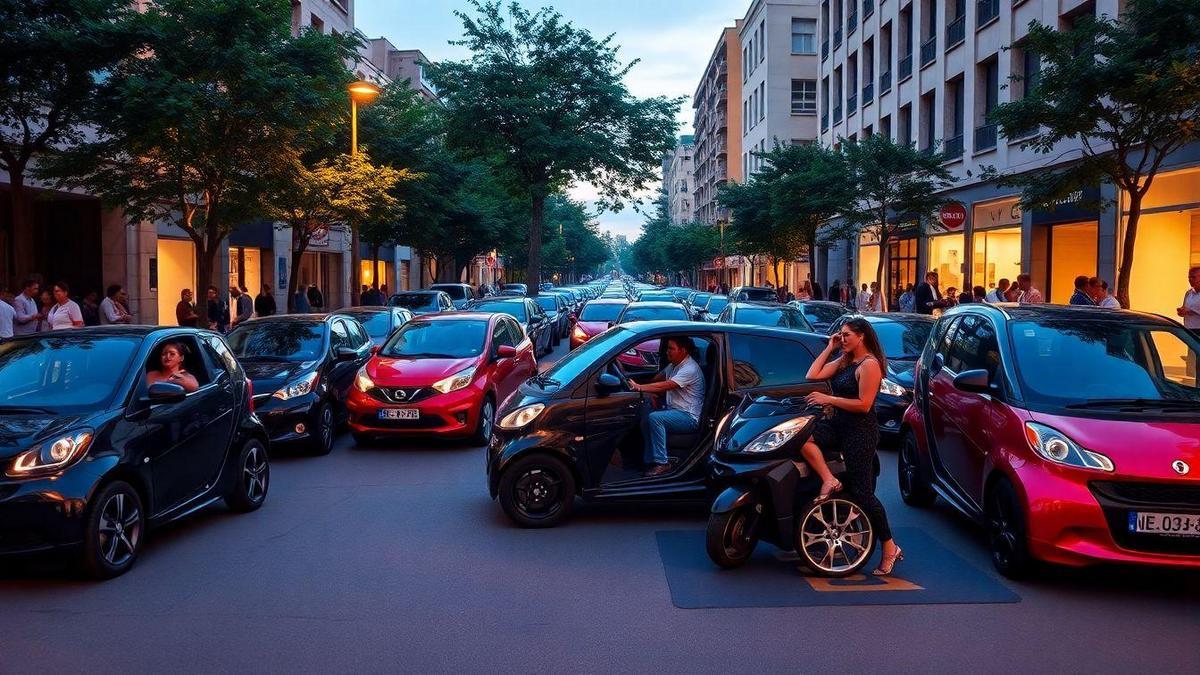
835 537
729 538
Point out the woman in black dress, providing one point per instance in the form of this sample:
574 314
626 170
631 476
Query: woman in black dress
854 378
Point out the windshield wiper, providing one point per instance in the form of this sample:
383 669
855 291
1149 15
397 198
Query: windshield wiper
1137 403
544 381
24 410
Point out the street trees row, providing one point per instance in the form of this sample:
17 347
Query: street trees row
668 249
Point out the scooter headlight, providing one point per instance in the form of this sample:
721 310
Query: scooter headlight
777 436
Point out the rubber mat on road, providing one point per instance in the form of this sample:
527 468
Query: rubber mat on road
930 574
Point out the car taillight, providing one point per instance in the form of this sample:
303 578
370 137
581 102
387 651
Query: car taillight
250 394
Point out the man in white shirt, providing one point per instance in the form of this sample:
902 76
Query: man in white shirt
26 306
1030 295
683 383
112 308
1190 309
997 294
7 315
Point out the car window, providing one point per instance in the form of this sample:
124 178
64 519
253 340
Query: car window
226 356
768 362
358 335
785 317
515 332
608 311
193 361
455 291
902 339
974 346
943 344
821 313
501 336
216 364
339 337
63 373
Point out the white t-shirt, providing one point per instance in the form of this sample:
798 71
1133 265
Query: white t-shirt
1110 302
689 397
110 312
64 316
1191 302
994 296
7 315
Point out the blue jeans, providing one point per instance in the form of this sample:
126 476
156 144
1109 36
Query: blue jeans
654 431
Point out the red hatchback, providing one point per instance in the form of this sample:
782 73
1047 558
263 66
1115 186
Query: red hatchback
595 318
1072 433
441 374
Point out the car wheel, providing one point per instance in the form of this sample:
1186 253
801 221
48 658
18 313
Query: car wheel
486 423
252 479
322 430
915 489
834 538
537 491
114 530
1006 531
731 537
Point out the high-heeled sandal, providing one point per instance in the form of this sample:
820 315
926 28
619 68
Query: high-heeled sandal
837 487
889 561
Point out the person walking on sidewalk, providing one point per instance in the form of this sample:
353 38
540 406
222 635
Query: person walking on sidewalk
65 313
264 303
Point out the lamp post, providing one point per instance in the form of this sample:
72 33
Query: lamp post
360 92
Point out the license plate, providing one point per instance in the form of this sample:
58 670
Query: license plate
1172 524
399 414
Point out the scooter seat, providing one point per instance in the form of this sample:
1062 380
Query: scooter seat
836 466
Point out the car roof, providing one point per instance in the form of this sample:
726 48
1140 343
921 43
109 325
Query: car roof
640 327
455 316
366 309
823 303
418 291
610 301
760 305
1015 312
118 331
895 317
655 304
293 318
507 299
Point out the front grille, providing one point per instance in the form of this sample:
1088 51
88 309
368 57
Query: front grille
1119 499
400 395
1149 494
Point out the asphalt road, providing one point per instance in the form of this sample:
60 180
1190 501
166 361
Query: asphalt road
396 559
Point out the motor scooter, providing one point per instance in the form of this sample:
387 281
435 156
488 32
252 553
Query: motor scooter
769 492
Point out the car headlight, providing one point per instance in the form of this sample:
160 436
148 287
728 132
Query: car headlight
775 437
891 388
363 381
522 416
456 381
298 387
1054 445
52 455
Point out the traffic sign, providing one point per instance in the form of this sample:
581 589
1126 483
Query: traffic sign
953 215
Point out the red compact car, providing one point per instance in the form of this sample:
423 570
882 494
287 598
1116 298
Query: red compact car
595 318
441 374
1072 433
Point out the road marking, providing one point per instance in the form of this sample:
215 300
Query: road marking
861 582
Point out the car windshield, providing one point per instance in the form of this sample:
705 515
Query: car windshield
458 339
700 299
902 339
656 296
601 311
414 300
785 317
290 340
378 324
1077 361
514 309
715 304
547 302
757 295
653 314
579 360
455 291
62 374
821 314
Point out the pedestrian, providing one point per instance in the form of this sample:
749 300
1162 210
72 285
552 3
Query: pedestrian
875 298
65 313
927 297
8 316
185 311
1028 294
906 300
1080 296
315 299
112 310
979 293
364 294
951 298
383 294
300 302
1101 295
264 303
854 379
997 294
863 299
91 309
1190 309
217 311
781 294
243 307
28 312
805 292
817 292
46 301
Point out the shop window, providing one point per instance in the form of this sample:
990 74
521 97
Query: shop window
176 271
946 258
1168 243
1072 252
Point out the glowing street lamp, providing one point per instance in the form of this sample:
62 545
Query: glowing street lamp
360 92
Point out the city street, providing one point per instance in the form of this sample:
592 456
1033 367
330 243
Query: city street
396 559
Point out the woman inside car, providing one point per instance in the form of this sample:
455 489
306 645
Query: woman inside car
171 368
854 378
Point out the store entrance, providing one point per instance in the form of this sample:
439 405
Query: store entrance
1061 253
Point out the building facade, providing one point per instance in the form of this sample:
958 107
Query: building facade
717 126
678 173
402 65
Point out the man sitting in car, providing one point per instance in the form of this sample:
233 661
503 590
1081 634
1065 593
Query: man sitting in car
683 383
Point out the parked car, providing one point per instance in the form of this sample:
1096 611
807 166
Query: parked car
94 456
596 317
713 308
655 295
644 357
533 320
442 374
380 322
1069 432
558 314
460 294
753 294
764 314
574 431
696 300
821 314
422 302
519 289
302 366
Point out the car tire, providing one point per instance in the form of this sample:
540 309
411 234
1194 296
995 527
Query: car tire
251 480
1008 537
728 545
321 441
537 491
486 424
915 489
113 531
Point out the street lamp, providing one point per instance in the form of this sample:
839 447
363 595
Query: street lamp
360 92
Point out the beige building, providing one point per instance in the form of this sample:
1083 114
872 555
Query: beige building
678 173
402 65
717 125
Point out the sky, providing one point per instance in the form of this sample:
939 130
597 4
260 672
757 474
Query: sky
673 39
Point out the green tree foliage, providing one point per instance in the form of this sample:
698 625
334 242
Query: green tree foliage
572 243
1126 90
548 100
668 249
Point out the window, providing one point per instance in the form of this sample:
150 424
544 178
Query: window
974 347
991 83
762 100
762 40
340 337
501 336
768 362
316 23
1031 66
885 126
904 135
224 357
929 127
804 36
358 335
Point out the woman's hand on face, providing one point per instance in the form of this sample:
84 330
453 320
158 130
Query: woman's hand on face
835 342
818 398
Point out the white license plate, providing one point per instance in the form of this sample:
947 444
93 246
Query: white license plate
1173 524
399 414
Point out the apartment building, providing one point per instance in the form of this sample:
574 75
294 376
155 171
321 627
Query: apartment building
928 73
402 65
717 126
677 180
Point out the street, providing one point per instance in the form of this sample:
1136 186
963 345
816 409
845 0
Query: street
396 559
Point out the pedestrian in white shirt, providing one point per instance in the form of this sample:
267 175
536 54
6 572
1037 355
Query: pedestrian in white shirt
875 300
112 308
26 307
1190 309
7 316
997 294
1098 290
65 313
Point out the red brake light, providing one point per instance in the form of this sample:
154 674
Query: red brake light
250 394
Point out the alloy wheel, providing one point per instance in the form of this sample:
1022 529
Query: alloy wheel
835 537
1000 527
737 539
908 464
537 492
326 426
256 473
486 421
120 529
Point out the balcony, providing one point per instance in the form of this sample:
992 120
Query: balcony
905 67
824 121
825 50
851 22
851 104
868 8
986 11
837 115
985 137
929 51
885 81
954 148
837 37
868 93
956 32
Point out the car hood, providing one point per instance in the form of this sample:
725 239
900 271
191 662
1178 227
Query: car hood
268 376
404 372
1137 448
19 432
901 371
591 328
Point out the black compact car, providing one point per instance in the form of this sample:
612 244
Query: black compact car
753 294
575 430
764 314
518 289
422 302
380 322
302 365
902 337
94 454
713 307
557 313
820 313
527 313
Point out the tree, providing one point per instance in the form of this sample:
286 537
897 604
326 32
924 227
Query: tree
219 100
1126 90
52 53
549 100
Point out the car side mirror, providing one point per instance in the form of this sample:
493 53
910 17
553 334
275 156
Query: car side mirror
975 381
165 392
345 354
506 351
608 383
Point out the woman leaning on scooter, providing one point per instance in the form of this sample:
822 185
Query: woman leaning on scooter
854 378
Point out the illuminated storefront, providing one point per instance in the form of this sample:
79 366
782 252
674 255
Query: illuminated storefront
996 242
176 271
947 253
373 272
245 269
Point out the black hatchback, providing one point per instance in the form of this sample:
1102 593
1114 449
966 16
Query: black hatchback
97 447
575 429
302 365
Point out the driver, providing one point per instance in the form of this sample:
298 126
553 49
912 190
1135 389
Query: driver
171 369
683 383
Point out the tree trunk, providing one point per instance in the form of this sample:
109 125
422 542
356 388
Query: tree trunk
1126 269
533 274
299 246
20 255
355 267
883 241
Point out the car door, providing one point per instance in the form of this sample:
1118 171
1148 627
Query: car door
526 362
503 368
341 372
950 450
610 417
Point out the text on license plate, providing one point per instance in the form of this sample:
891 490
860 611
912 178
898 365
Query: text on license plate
1176 524
399 414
